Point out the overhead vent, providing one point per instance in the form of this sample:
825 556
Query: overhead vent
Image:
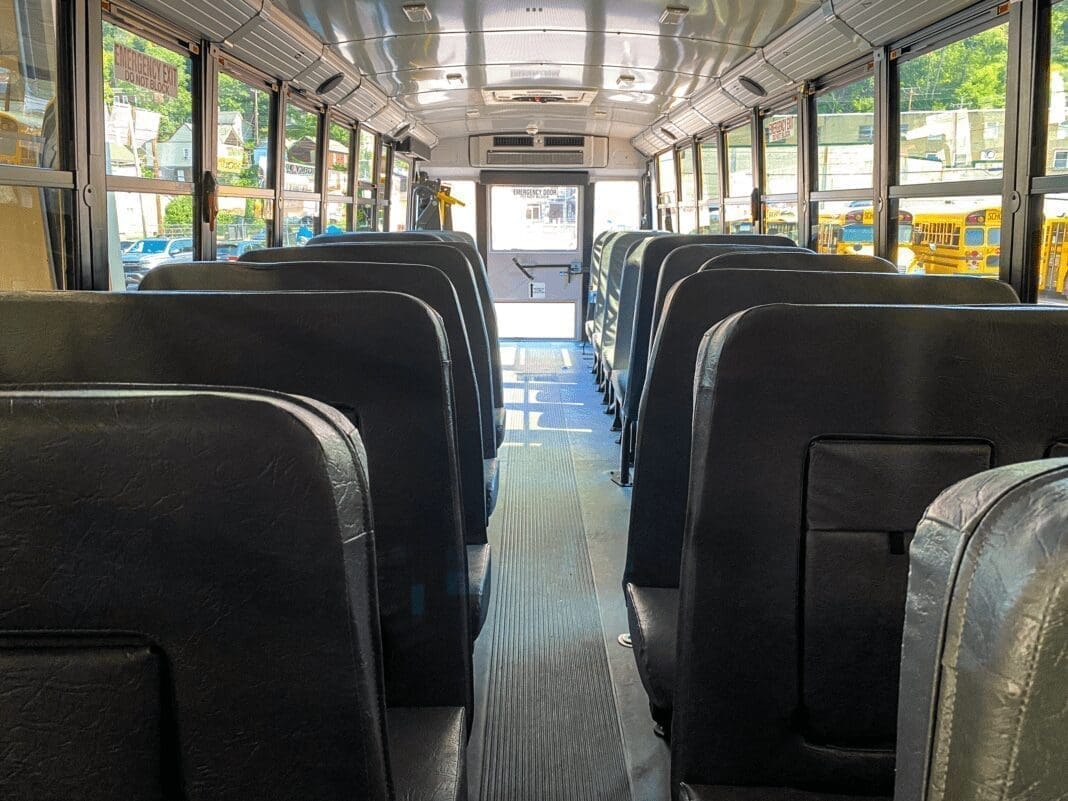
536 158
570 97
540 150
514 141
565 141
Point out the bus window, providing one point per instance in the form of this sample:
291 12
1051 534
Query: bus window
34 226
616 206
1053 254
950 236
952 122
28 88
845 136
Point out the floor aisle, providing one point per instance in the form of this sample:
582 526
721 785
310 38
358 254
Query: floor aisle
552 681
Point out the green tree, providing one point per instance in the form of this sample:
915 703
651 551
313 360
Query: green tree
179 212
969 74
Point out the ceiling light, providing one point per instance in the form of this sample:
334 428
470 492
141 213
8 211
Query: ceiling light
673 15
752 86
625 81
416 12
330 84
455 79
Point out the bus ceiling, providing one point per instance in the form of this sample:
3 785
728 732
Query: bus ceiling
650 73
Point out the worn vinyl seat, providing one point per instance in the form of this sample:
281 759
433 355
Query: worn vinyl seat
629 377
450 261
664 432
372 264
595 278
474 258
155 529
801 259
638 287
396 385
607 307
804 492
475 450
983 680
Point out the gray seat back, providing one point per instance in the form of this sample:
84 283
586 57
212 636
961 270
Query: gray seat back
474 418
395 385
809 471
983 680
696 304
189 598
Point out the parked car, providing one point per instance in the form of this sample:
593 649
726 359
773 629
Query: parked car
145 254
232 251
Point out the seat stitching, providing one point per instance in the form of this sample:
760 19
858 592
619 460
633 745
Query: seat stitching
1036 645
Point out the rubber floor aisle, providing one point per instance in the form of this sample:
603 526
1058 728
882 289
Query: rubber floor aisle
549 725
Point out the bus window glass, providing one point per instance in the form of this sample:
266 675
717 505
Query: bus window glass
148 108
337 218
740 162
780 219
302 149
616 206
708 218
365 157
338 159
398 194
147 230
301 218
542 218
845 136
952 103
665 173
688 176
464 218
365 217
1052 280
29 135
953 236
244 131
1057 133
738 219
241 226
780 153
848 227
34 227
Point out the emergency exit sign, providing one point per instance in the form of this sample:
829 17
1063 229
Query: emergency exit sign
145 71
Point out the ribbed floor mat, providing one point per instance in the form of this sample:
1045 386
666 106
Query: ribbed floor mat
552 732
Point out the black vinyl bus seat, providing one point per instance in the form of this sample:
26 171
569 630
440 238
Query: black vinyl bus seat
595 277
481 276
664 432
607 310
628 378
638 288
983 678
821 433
477 459
189 602
803 260
396 385
451 261
376 236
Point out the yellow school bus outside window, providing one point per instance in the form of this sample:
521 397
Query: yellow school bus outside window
958 243
853 232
